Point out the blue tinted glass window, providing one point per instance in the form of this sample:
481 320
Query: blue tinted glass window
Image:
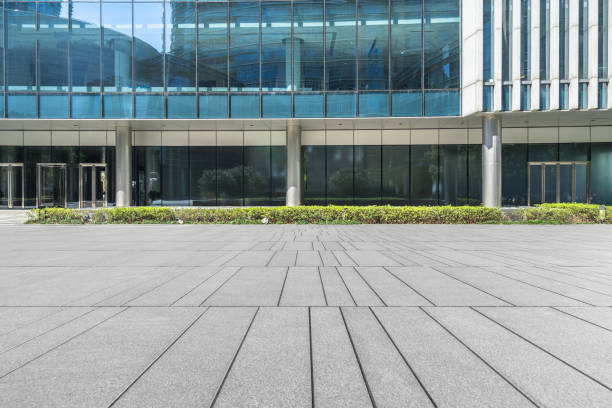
525 39
373 44
340 48
544 97
213 106
308 105
180 47
564 96
407 103
563 38
85 106
2 50
53 106
544 38
53 39
525 97
602 95
117 47
276 106
149 106
148 46
1 107
21 106
602 38
583 95
506 40
181 106
340 105
440 103
507 97
442 44
373 104
487 98
85 47
275 46
244 106
118 106
406 44
212 46
487 39
244 46
583 39
20 46
308 45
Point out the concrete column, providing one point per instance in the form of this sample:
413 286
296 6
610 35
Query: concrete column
535 55
471 58
123 166
516 55
491 161
554 55
593 54
574 36
294 164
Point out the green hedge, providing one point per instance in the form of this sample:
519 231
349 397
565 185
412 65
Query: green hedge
272 215
565 214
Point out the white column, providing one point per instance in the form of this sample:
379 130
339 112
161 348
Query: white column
294 164
491 161
497 54
574 33
516 55
535 54
609 56
593 53
123 166
554 54
471 58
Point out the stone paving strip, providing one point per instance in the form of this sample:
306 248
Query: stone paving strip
339 316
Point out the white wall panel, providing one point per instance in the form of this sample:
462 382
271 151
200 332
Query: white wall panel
424 136
278 138
396 137
367 137
497 55
339 137
601 134
257 138
313 138
475 136
202 138
516 55
64 138
514 135
11 138
92 138
453 136
230 138
554 55
147 138
111 137
574 33
544 135
472 54
574 135
535 55
593 53
37 138
175 138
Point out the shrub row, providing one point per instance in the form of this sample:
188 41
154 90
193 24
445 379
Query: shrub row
565 214
273 215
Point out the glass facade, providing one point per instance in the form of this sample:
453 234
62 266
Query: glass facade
395 175
232 59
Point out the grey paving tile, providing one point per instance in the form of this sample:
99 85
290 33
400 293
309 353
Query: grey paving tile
94 368
250 286
298 246
13 318
333 246
391 381
283 258
34 348
392 291
328 258
361 293
336 292
303 288
343 258
546 380
586 347
512 291
371 258
201 292
250 258
601 316
443 290
272 368
168 293
413 258
337 379
308 258
452 374
192 370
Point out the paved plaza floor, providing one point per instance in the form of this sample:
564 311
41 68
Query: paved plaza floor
305 316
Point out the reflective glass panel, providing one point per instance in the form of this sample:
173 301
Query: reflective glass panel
117 47
244 106
149 106
424 171
453 174
118 106
85 47
340 175
244 46
442 103
308 45
275 46
21 106
340 105
341 44
148 47
474 174
278 168
213 106
181 106
396 174
442 44
407 103
368 177
601 176
229 175
257 181
514 174
276 106
180 47
373 44
20 47
535 185
314 190
212 46
203 175
53 40
175 175
147 174
406 44
85 106
53 106
308 105
373 104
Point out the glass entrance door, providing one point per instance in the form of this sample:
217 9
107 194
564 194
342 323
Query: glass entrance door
558 182
93 185
11 185
51 185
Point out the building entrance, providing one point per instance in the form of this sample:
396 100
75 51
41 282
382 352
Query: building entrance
11 185
51 185
558 182
93 185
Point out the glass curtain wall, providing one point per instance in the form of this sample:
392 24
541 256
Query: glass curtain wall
564 53
583 54
545 54
525 54
602 46
241 59
488 31
506 55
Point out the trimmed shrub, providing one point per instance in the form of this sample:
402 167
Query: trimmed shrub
273 215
